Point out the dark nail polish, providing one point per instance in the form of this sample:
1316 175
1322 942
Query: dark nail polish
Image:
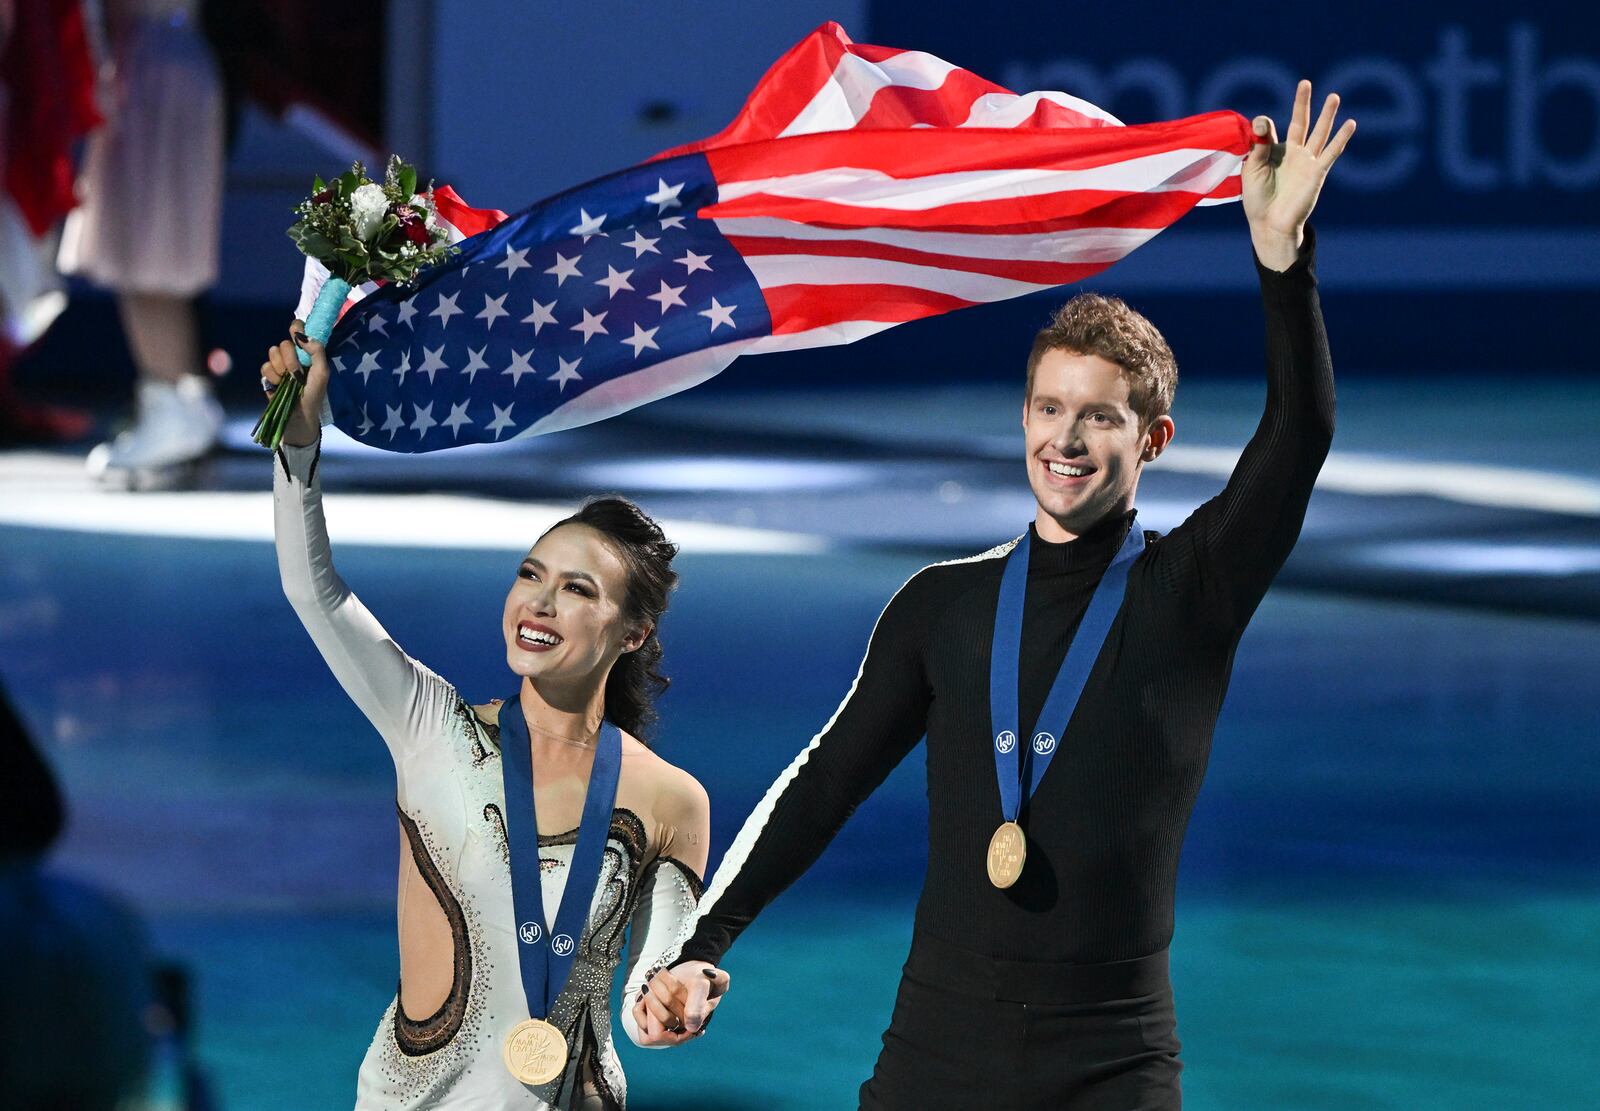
298 338
711 973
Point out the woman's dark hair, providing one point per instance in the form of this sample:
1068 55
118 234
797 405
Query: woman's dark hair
636 679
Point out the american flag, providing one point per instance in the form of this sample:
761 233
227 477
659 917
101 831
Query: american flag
860 187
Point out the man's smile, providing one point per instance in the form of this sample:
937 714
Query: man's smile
1060 473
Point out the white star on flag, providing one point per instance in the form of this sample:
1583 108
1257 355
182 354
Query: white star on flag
432 362
565 268
692 262
642 338
338 363
404 368
378 324
666 196
502 419
493 309
520 365
457 418
475 362
587 225
668 295
407 311
368 364
446 308
590 325
673 222
366 423
567 373
395 422
719 314
515 260
641 244
615 280
424 419
540 316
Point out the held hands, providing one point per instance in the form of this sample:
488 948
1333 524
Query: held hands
305 425
675 1004
1279 198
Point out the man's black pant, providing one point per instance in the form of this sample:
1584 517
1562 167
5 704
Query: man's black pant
969 1031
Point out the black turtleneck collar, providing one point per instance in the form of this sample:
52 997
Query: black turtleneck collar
1092 550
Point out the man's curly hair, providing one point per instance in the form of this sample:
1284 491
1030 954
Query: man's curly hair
1094 324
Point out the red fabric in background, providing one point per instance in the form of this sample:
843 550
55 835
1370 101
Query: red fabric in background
49 73
328 54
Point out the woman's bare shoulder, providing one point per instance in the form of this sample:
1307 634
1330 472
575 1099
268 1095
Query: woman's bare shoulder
676 793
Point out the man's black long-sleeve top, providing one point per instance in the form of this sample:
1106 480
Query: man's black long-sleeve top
1107 821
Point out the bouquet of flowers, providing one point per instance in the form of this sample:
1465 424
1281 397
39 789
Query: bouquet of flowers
362 232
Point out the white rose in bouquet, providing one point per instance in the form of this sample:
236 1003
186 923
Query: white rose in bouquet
368 206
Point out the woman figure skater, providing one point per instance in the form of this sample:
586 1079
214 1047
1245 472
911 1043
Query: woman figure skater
468 1027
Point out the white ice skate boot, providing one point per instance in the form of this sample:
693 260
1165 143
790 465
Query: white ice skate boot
177 424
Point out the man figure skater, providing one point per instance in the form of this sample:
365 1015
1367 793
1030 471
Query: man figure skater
1037 976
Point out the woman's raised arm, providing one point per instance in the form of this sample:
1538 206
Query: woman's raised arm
405 701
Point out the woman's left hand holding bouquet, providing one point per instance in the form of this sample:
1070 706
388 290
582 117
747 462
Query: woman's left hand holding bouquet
305 421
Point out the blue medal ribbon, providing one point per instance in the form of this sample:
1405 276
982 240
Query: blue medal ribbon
1005 659
546 951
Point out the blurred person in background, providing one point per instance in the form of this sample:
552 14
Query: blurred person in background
149 223
47 103
74 980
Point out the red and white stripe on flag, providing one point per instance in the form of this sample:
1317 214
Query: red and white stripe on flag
867 186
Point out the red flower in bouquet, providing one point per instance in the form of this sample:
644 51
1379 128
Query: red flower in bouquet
413 224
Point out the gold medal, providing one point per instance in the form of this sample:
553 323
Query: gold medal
1007 850
535 1051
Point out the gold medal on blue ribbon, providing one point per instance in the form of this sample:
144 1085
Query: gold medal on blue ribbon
535 1051
1008 849
1018 767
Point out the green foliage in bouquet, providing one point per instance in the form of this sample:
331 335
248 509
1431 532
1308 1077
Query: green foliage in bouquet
363 231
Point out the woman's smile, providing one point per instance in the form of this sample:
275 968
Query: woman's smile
534 637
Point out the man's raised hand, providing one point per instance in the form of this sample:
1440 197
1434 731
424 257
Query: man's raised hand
1279 194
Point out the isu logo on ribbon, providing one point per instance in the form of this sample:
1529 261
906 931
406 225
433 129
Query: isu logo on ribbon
530 933
1005 742
1044 743
561 944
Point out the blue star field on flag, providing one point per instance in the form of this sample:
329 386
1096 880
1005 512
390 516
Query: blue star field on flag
564 309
